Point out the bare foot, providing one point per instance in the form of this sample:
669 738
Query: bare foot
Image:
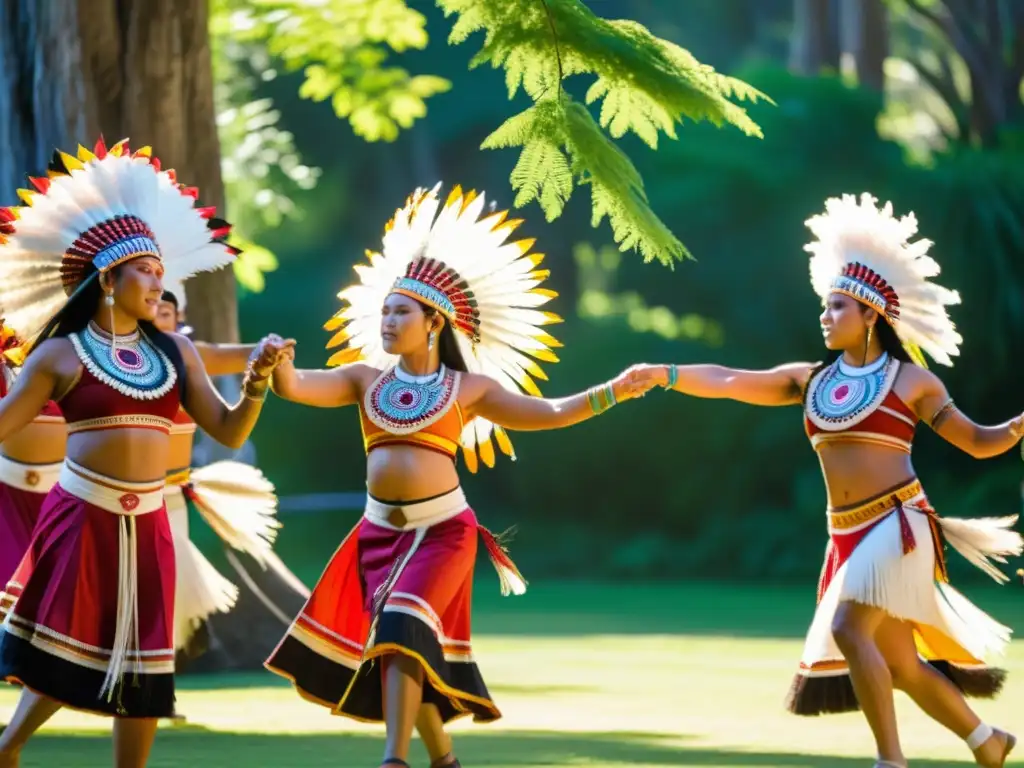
993 753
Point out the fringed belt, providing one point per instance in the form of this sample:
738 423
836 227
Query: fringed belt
36 478
849 520
127 501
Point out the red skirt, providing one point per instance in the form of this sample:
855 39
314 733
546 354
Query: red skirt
103 547
395 589
22 490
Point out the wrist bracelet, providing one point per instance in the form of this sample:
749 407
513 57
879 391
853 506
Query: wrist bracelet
601 398
673 376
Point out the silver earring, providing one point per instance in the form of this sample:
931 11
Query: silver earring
431 339
109 299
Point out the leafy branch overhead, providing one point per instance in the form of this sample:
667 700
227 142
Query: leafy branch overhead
343 47
645 85
641 85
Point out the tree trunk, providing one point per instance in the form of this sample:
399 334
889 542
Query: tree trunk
41 88
150 77
814 44
865 36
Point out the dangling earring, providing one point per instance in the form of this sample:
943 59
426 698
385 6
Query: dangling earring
871 330
431 339
108 299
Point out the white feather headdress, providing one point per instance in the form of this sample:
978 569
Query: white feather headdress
456 257
865 252
91 213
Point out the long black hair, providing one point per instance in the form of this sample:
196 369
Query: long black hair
887 338
80 308
448 350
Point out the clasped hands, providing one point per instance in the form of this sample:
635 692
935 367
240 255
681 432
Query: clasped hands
638 380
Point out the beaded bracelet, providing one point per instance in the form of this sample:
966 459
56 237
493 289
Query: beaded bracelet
601 398
673 377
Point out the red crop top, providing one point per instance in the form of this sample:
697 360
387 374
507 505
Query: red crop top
92 405
846 410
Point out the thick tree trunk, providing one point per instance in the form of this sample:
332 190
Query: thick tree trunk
150 78
41 88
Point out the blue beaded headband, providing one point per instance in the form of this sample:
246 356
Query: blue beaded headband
428 293
123 250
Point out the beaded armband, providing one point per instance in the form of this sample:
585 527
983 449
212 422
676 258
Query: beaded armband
941 413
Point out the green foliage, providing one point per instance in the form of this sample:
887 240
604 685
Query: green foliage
344 46
261 168
644 85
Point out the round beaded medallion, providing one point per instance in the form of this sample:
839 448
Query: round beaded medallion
841 396
134 366
402 404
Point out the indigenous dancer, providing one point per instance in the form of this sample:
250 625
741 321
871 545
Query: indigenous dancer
30 461
89 622
446 320
887 617
235 499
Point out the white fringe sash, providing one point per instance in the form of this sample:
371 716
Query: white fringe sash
127 501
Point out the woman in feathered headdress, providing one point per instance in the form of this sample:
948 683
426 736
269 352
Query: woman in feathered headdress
235 500
887 616
30 462
89 621
445 320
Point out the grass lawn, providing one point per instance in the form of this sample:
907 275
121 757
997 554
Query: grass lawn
596 675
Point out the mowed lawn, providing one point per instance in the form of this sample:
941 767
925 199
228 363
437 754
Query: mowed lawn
597 675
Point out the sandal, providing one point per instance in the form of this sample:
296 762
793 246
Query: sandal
448 761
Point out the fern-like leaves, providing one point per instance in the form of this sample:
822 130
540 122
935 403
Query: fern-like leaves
343 47
643 85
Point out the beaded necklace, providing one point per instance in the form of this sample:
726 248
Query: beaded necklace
841 396
135 367
401 403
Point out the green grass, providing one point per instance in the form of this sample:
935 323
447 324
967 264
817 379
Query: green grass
597 675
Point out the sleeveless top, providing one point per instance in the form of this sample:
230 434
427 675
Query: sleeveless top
147 397
847 404
400 409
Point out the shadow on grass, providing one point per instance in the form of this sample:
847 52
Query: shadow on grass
188 746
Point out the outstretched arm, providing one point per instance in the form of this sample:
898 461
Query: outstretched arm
782 385
230 425
935 407
36 384
224 359
326 388
523 413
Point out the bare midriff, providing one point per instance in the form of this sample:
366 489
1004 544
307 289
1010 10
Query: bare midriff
409 473
179 452
129 454
42 442
856 472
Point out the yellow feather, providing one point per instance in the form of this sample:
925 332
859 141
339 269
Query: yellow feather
540 274
25 196
118 149
347 355
536 258
545 355
534 370
530 386
337 339
504 443
469 455
85 155
486 449
509 226
550 318
335 322
468 200
495 219
545 292
146 151
551 341
453 196
71 162
525 245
